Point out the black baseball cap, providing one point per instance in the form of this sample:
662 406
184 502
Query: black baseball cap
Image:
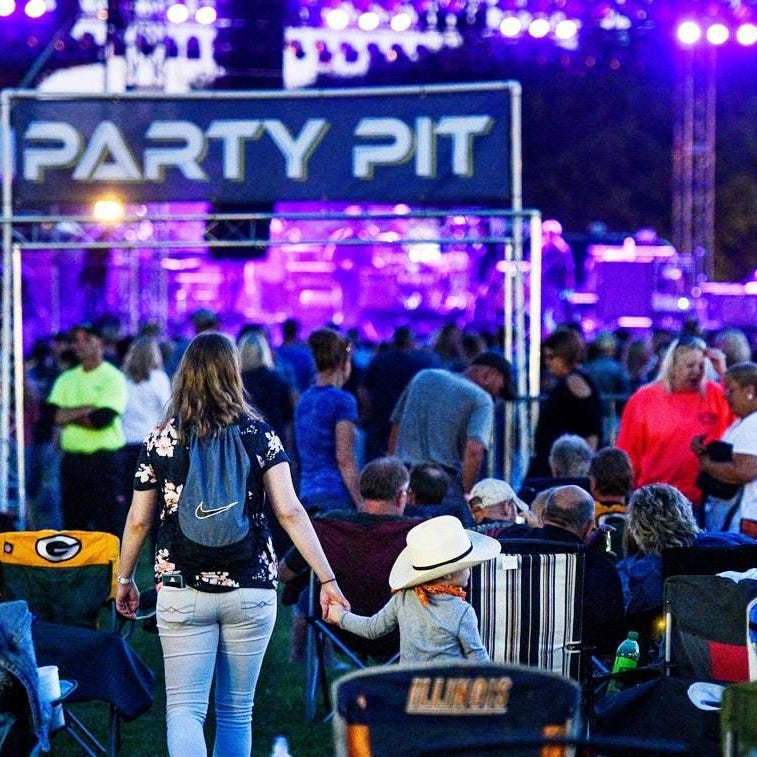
497 361
88 328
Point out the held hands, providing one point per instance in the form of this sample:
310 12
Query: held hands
335 614
331 595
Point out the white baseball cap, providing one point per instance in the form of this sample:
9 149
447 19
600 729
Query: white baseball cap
489 492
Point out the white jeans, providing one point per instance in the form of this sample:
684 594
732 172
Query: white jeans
201 633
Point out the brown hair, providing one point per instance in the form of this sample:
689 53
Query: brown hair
208 394
612 472
566 343
329 349
142 357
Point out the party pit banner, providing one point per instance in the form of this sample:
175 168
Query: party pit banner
415 145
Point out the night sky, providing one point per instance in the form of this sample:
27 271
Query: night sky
597 123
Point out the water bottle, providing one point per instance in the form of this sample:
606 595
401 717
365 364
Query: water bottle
626 658
280 747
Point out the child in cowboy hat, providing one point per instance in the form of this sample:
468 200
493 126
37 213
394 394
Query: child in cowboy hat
428 603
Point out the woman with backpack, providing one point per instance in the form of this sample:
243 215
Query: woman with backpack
207 470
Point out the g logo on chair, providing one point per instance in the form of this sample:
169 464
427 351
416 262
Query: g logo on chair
58 548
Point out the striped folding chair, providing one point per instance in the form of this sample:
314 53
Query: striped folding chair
528 603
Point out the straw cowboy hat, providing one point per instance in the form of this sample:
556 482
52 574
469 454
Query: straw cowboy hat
437 547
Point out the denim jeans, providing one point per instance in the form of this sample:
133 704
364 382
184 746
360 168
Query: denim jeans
201 633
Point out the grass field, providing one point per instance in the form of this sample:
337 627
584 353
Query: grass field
279 705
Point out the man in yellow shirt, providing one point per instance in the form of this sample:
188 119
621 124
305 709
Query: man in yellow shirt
88 401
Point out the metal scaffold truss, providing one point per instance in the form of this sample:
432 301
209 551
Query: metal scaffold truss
694 158
26 233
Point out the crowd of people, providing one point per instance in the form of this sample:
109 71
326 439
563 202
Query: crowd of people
642 443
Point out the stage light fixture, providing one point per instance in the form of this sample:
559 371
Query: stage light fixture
746 34
7 7
206 15
566 29
368 21
35 8
510 27
717 34
539 28
177 13
337 19
108 210
689 32
401 22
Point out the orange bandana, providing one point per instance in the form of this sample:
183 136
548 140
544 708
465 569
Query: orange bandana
427 591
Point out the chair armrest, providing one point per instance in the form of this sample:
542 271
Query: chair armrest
67 687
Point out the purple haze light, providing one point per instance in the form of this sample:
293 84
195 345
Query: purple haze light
35 8
369 21
206 15
510 27
746 34
177 13
689 32
401 22
539 28
337 19
566 29
717 34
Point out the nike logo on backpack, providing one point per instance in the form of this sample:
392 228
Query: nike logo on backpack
201 512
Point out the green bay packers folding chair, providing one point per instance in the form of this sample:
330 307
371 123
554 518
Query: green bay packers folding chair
68 579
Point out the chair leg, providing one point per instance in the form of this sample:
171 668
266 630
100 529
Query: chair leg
82 735
114 735
311 675
324 680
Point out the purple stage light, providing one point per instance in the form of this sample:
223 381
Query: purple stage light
566 29
539 28
717 34
337 19
510 27
177 13
689 32
401 22
7 7
369 21
35 8
206 15
746 34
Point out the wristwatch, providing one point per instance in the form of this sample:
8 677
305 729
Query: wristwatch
125 581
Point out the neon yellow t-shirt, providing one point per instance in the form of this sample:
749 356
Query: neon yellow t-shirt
104 387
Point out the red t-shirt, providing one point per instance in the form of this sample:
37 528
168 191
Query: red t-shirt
657 427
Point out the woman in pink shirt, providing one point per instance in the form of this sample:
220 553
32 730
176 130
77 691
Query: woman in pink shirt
660 419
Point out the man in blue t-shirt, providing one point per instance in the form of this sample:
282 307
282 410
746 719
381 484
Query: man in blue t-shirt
448 418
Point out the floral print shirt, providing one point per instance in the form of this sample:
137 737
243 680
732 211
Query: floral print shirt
163 465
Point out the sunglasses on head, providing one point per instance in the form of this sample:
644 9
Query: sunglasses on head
691 342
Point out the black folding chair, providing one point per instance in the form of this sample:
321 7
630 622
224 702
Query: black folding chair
356 652
706 561
705 630
361 553
445 709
